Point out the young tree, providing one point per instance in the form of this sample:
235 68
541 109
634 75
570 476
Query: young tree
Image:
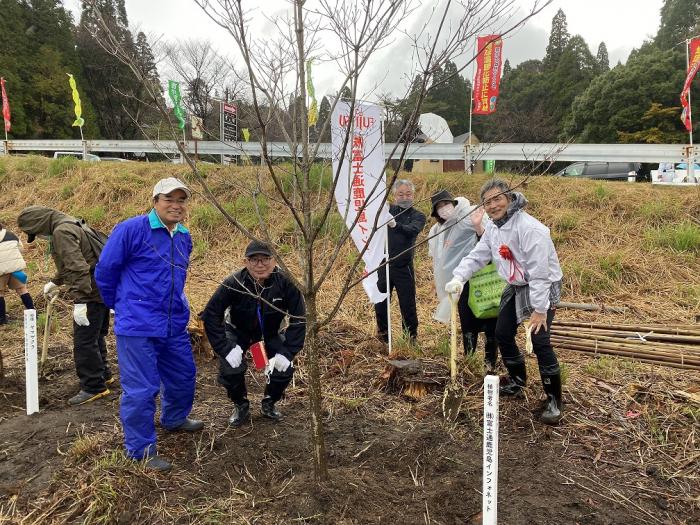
205 76
276 73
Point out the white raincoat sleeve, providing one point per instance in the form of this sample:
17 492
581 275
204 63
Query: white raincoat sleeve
479 257
537 248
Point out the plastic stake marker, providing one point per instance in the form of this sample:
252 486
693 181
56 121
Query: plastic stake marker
31 362
490 467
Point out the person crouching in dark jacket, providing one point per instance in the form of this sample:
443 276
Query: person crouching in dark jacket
251 306
403 230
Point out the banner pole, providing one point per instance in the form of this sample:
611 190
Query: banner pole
690 105
31 368
468 167
388 290
691 152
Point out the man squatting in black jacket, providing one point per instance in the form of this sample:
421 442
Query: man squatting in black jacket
403 230
249 306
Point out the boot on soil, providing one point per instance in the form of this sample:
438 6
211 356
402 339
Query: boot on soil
240 415
188 425
83 397
157 463
552 413
268 410
515 384
490 368
490 356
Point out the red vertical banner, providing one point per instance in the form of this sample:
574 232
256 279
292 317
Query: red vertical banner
5 107
693 66
488 73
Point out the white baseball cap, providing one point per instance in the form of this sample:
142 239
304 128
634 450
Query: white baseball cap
169 185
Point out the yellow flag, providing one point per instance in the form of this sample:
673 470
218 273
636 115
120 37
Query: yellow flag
313 107
79 120
246 134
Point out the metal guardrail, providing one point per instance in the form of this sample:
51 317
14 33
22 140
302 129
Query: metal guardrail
652 153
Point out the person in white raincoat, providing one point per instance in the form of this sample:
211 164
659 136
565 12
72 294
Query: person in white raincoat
523 251
457 234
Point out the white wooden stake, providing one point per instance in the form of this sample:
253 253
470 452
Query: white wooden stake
490 466
30 362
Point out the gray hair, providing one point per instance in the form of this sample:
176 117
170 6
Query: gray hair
497 184
402 182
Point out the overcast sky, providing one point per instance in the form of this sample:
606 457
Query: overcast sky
621 24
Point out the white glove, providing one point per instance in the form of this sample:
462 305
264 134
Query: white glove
235 357
80 314
50 290
454 286
280 363
392 223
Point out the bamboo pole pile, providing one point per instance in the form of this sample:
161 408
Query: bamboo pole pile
676 346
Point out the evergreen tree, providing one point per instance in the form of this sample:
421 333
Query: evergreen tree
621 102
448 97
558 39
38 50
506 69
601 58
324 111
120 99
680 20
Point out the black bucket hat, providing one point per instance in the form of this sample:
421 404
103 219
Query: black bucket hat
440 196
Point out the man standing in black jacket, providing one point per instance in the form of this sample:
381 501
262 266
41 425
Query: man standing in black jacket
403 230
251 306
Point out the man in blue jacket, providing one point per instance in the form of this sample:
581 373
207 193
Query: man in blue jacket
141 275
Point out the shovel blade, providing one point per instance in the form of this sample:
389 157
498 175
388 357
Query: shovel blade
452 401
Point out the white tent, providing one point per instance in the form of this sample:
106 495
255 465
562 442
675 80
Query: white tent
435 128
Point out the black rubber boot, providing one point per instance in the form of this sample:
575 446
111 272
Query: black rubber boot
27 301
268 409
553 406
490 356
469 340
3 315
516 380
240 415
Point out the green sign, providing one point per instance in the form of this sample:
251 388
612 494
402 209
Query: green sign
489 166
174 92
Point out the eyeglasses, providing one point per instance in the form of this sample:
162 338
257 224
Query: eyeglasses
258 261
404 194
170 200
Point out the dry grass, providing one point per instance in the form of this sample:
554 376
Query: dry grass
612 240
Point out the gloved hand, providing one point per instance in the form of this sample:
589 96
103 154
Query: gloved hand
280 363
392 223
50 290
454 286
80 314
235 357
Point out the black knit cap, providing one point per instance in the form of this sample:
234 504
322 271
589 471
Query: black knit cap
258 248
440 196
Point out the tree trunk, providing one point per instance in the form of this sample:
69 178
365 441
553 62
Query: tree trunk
311 346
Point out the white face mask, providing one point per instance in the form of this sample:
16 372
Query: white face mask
446 212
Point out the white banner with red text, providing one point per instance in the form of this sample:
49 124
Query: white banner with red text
361 184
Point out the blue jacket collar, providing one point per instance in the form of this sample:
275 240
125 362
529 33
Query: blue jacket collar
156 223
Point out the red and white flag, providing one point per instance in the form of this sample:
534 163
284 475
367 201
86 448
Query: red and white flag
5 107
487 77
693 66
